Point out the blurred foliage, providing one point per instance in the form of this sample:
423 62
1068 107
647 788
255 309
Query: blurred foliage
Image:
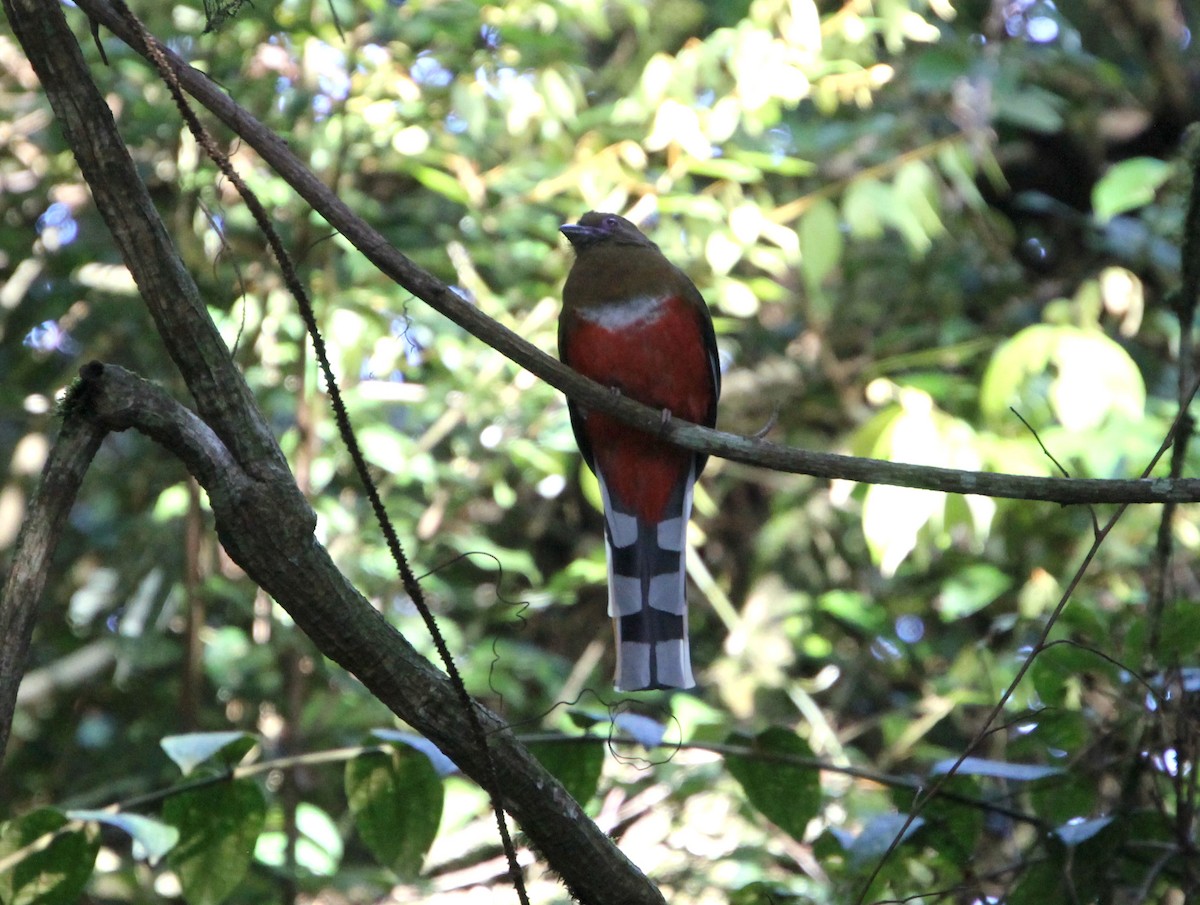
914 220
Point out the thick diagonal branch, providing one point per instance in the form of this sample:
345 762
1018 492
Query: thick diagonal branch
296 571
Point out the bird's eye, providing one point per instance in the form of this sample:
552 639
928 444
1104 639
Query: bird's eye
610 222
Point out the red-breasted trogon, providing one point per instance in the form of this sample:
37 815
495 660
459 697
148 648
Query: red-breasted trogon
633 321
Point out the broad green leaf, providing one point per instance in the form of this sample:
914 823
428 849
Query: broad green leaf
396 799
576 764
821 242
915 431
970 589
1127 185
53 875
855 608
979 766
1082 375
191 750
218 827
1179 634
152 838
789 795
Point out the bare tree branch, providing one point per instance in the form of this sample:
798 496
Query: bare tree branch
52 501
750 451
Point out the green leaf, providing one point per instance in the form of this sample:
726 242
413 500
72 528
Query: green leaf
1179 634
1058 672
191 750
1082 375
820 241
971 589
855 608
396 800
218 827
442 183
787 794
52 875
864 206
1128 185
917 191
577 765
723 168
152 838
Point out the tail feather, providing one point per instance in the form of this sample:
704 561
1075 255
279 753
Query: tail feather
646 592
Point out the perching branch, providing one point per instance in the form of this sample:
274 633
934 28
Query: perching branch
690 436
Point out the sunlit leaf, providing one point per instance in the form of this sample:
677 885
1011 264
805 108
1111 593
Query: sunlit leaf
820 241
1127 185
1083 375
970 590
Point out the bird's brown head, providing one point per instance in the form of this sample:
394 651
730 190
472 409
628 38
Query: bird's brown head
596 229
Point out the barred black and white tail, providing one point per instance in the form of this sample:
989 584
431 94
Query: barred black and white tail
646 592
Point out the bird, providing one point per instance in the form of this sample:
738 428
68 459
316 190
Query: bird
634 322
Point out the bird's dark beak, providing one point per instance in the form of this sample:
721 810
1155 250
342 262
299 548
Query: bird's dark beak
579 235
